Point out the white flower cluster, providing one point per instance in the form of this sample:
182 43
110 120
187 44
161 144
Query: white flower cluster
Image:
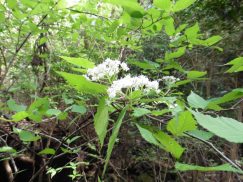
134 83
169 80
108 68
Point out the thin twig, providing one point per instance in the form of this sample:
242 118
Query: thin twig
207 143
216 150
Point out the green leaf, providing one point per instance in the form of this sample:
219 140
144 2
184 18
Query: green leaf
180 52
163 4
138 112
26 136
192 32
47 151
62 116
195 74
204 135
12 4
43 40
128 5
7 149
237 65
40 104
101 120
79 109
169 144
196 101
53 112
159 112
223 127
182 4
38 108
20 116
144 64
147 135
113 138
212 40
29 3
169 26
182 123
223 167
160 139
81 62
83 85
233 95
15 107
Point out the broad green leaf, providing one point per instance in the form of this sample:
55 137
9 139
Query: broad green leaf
160 139
159 112
196 101
127 4
62 116
53 112
26 136
43 40
233 95
192 32
169 144
237 65
7 149
12 4
223 127
2 16
40 104
180 52
147 135
81 62
223 167
181 27
81 70
15 107
83 85
79 109
195 74
113 137
212 40
20 116
47 151
29 3
138 112
204 135
101 120
163 4
38 108
144 64
169 26
182 123
135 94
182 4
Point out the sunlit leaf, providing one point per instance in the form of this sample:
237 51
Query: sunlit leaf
101 120
181 123
182 4
113 137
223 167
223 127
81 62
83 85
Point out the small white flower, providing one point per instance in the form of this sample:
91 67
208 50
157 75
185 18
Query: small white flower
124 66
170 80
108 68
134 83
